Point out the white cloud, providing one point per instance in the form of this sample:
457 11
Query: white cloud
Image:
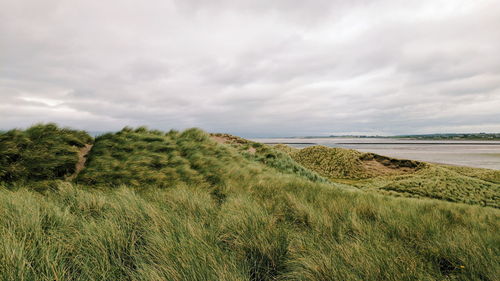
252 67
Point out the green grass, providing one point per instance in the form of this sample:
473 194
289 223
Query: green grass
441 183
278 229
331 162
227 213
270 156
42 152
482 174
340 163
397 177
140 157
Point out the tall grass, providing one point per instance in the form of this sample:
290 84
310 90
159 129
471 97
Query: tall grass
179 206
272 228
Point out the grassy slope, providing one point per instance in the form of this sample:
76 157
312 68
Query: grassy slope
482 174
402 177
268 156
445 184
230 215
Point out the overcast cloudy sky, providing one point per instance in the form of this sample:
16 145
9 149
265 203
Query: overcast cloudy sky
254 67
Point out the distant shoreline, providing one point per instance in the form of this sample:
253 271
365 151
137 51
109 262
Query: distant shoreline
393 143
420 143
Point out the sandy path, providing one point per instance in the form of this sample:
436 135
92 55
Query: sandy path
82 158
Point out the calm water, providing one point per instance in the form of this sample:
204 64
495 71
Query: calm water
481 154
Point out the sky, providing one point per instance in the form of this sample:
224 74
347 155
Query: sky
252 68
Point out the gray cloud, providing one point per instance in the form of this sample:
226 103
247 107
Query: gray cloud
252 67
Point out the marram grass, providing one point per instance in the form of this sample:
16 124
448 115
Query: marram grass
227 214
280 229
398 177
42 152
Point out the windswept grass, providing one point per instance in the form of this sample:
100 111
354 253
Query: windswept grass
332 162
269 156
482 174
272 228
441 183
140 157
42 152
340 163
180 206
401 177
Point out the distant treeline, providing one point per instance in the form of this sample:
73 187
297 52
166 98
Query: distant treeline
479 136
454 136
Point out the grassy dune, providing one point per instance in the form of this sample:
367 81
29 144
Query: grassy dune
42 152
488 175
401 177
445 184
187 206
339 163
